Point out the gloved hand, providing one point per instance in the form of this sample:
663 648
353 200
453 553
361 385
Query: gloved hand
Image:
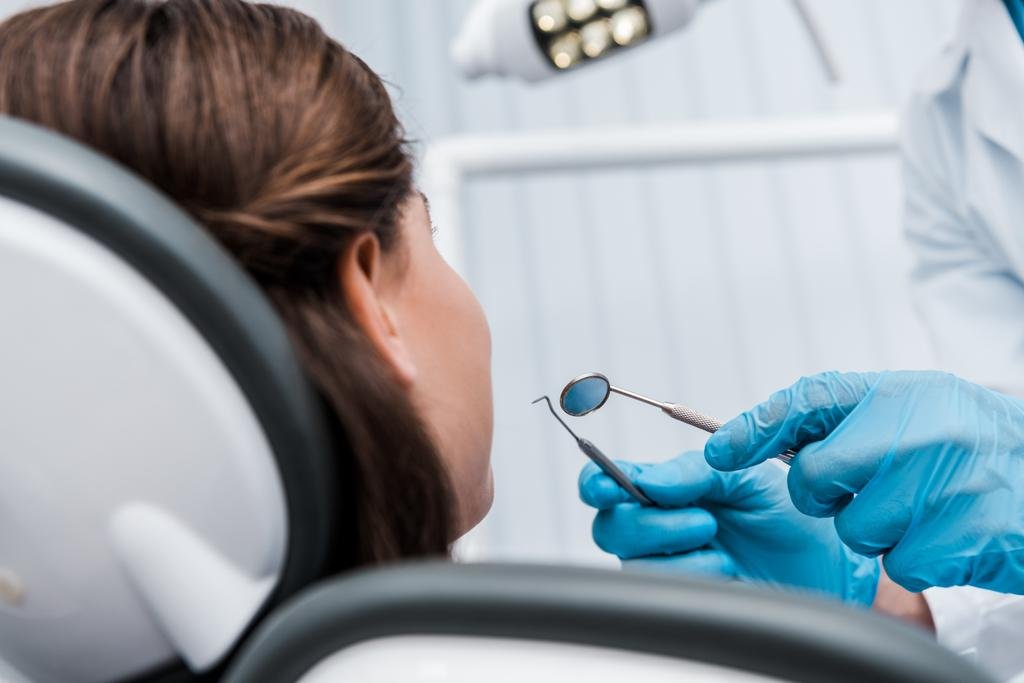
732 524
921 467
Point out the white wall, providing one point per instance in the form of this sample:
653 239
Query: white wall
709 286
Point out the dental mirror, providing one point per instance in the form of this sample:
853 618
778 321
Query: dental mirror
586 393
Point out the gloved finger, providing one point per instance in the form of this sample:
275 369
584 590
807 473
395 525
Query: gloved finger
631 530
916 564
805 412
826 475
684 480
958 542
689 480
600 491
699 562
874 521
916 568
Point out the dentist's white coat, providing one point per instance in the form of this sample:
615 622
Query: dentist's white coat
963 156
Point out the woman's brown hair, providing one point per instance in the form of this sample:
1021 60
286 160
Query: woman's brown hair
284 146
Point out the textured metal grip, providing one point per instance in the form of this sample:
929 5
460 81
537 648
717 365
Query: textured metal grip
692 417
709 424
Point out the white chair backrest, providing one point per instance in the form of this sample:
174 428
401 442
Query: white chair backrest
118 418
163 473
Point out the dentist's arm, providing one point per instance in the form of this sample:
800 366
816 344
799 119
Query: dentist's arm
967 294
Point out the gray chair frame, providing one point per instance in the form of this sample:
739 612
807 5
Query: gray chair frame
731 625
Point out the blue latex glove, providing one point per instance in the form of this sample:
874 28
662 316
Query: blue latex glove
922 467
733 524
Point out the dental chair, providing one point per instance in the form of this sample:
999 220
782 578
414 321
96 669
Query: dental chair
520 623
167 496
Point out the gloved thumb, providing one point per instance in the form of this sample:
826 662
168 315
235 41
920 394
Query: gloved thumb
600 491
679 482
803 413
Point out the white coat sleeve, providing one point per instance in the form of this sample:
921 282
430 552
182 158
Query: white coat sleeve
971 301
981 625
973 308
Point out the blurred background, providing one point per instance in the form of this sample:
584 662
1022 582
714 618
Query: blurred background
709 285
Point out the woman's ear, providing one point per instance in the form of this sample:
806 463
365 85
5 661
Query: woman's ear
366 283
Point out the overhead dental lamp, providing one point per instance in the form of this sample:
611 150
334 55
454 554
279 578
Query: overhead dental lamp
536 39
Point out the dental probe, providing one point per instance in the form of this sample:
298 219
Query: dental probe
601 460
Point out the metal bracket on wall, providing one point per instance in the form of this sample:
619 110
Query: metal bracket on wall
448 163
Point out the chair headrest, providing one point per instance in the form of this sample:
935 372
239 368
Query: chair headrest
164 460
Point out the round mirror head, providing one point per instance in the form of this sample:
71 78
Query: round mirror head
585 394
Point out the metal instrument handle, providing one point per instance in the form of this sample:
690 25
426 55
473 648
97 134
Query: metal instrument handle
709 424
613 471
